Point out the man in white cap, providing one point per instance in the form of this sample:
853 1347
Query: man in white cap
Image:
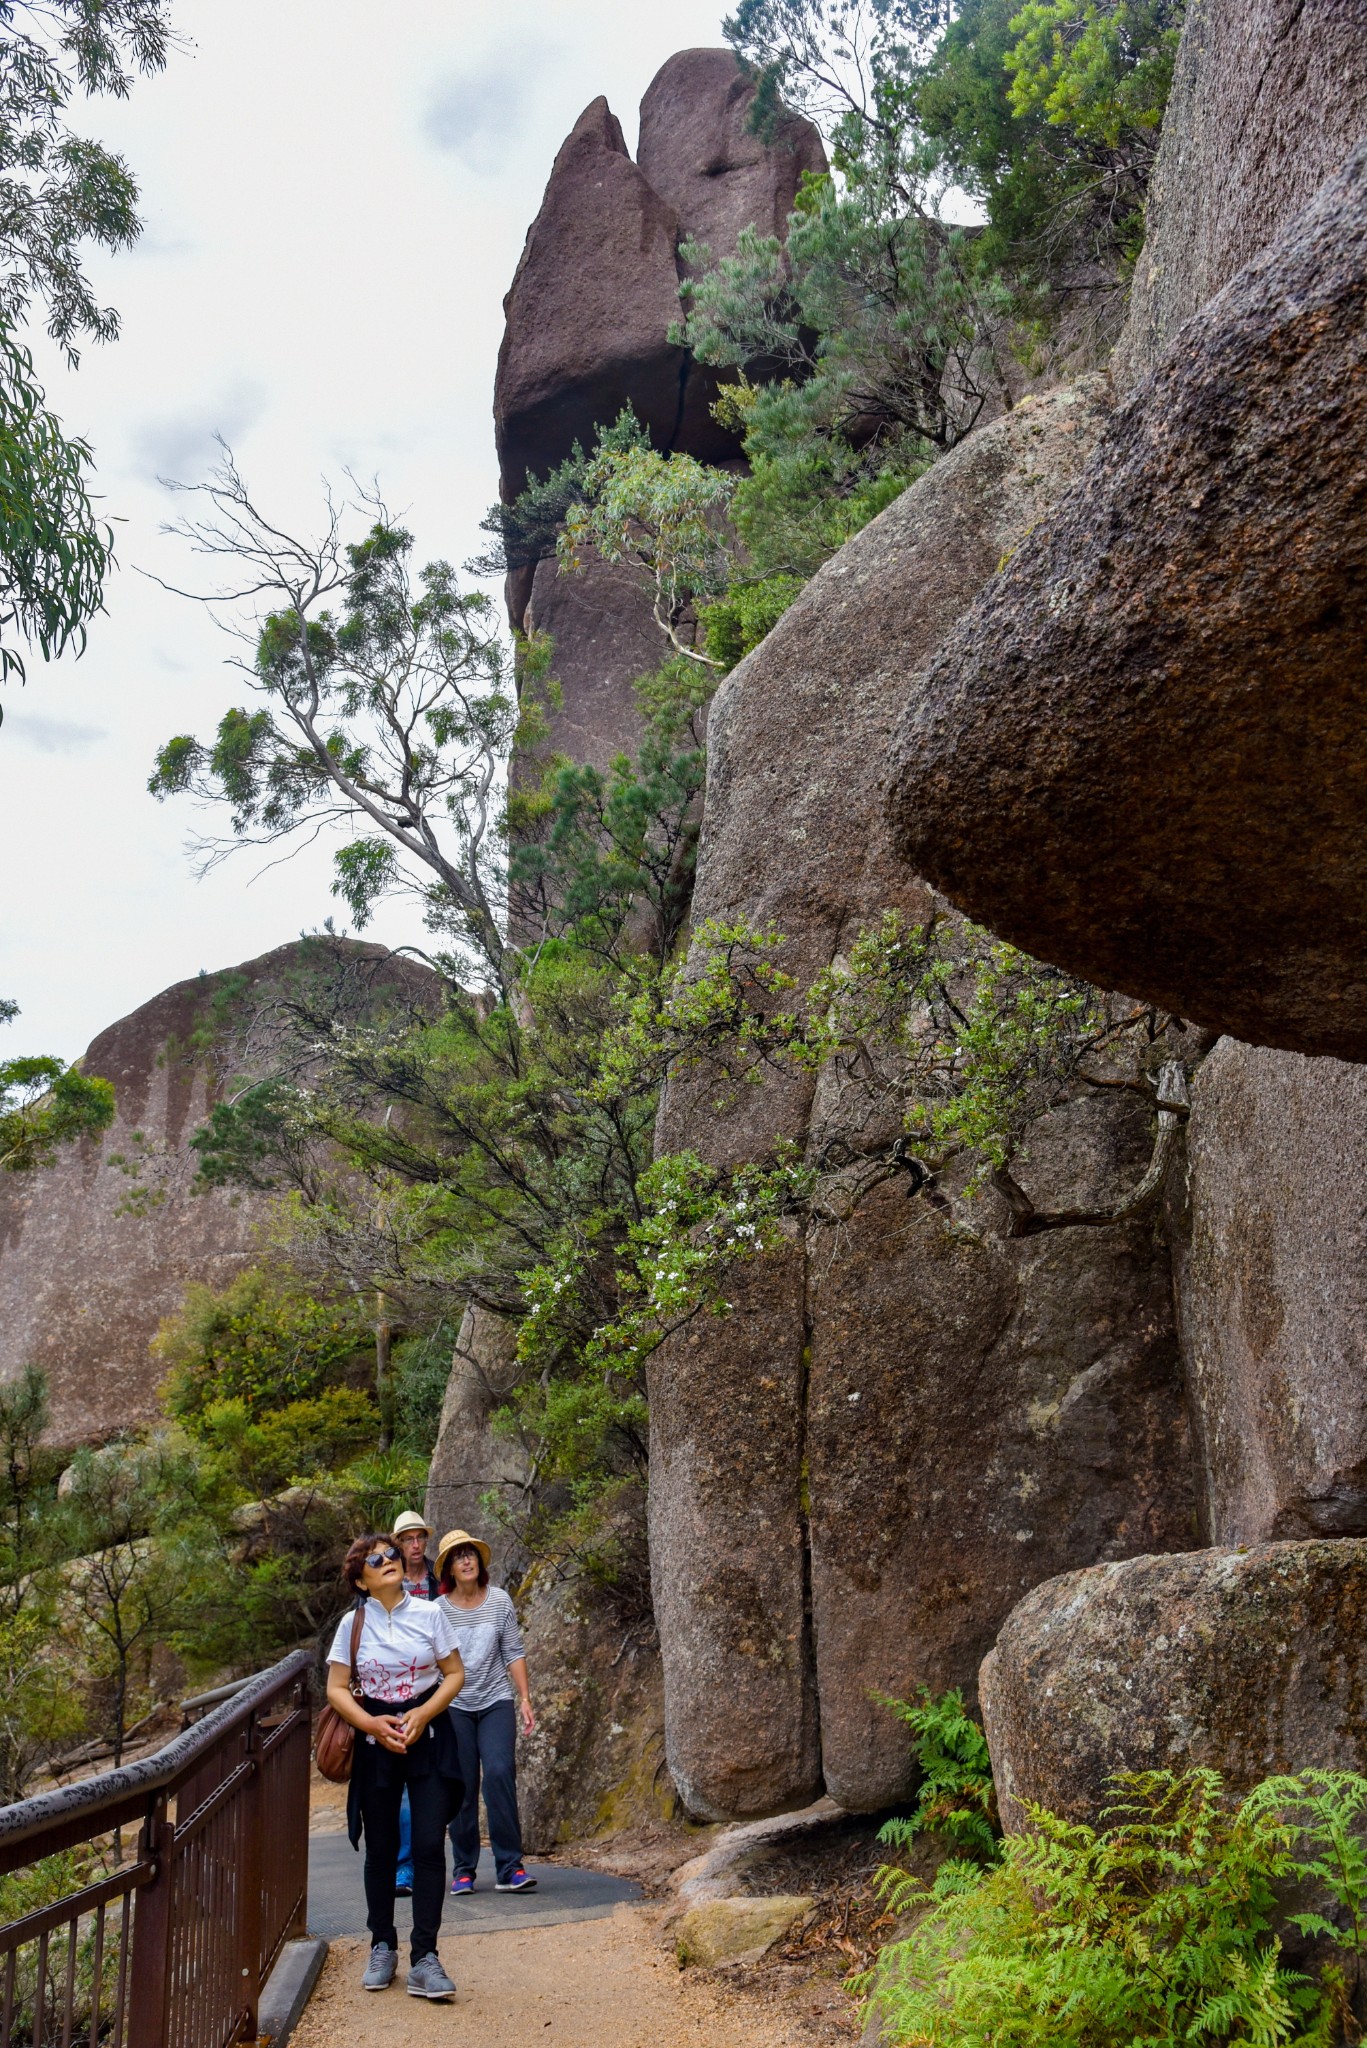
412 1535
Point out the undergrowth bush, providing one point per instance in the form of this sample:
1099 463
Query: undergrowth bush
1158 1926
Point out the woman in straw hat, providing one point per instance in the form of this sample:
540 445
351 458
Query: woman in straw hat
485 1716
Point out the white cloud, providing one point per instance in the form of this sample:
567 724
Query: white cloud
474 117
50 735
180 445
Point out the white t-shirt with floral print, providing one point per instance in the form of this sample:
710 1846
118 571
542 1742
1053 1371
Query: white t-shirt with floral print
397 1656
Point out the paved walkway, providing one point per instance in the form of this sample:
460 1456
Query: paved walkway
337 1897
609 1984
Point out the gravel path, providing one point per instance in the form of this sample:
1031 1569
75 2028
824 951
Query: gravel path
594 1984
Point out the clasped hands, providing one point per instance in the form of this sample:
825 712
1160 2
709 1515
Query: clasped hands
398 1732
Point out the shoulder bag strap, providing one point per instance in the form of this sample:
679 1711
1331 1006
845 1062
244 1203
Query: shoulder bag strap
357 1624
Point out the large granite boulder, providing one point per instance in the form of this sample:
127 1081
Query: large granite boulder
605 639
1248 1662
595 293
591 301
699 155
856 1472
728 1552
97 1249
1142 755
792 828
597 285
980 1416
1268 97
87 1272
1272 1293
595 1763
475 1468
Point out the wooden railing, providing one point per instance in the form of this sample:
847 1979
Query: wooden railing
169 1944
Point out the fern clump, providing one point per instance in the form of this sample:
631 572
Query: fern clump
956 1798
1158 1926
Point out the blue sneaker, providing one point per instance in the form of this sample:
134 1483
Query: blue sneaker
462 1884
516 1881
403 1881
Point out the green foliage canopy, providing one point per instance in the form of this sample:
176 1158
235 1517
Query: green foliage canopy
528 530
391 719
589 850
54 553
1048 111
1050 114
960 1039
661 514
57 190
123 1520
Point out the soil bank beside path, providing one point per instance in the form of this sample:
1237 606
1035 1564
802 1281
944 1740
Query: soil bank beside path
591 1984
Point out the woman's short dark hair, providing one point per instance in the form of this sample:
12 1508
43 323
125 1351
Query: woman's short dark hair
447 1581
353 1564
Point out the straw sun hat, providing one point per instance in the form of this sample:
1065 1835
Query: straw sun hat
453 1541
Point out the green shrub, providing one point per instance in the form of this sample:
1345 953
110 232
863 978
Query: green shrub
258 1455
263 1340
40 1710
956 1798
1157 1926
737 622
382 1485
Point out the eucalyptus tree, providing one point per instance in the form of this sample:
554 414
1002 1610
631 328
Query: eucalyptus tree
379 705
59 192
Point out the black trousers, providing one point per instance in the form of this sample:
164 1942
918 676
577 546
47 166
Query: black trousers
429 1800
487 1739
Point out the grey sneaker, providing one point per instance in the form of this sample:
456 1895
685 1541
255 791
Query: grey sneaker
379 1971
427 1979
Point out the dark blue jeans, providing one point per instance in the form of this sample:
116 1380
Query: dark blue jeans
487 1741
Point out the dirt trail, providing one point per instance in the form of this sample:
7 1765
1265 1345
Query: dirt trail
589 1984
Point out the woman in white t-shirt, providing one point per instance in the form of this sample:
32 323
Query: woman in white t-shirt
408 1671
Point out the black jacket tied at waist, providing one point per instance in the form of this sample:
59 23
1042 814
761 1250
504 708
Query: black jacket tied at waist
433 1755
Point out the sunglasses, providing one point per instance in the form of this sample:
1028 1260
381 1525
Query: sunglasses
389 1555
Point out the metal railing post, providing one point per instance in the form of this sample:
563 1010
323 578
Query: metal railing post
252 1868
299 1924
149 1980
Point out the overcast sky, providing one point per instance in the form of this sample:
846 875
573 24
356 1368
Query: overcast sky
335 197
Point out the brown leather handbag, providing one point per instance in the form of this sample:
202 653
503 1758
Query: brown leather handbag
334 1745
